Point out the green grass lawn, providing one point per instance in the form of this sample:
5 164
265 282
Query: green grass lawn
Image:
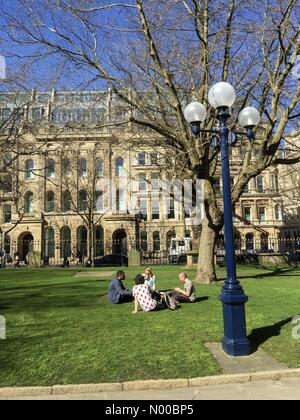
61 330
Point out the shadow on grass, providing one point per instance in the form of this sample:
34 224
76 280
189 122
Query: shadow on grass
198 300
275 272
289 271
201 299
261 335
52 296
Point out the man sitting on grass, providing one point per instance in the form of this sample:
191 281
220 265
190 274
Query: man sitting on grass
117 292
188 295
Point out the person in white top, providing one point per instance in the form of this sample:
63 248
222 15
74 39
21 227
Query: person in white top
150 278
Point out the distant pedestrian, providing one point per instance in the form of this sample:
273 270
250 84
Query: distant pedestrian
17 260
26 260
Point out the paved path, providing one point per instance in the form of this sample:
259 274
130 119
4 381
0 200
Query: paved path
285 389
260 361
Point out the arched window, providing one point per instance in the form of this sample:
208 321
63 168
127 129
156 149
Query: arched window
142 182
249 242
260 183
171 205
65 242
49 249
156 241
82 168
7 242
50 202
50 168
120 204
99 168
99 204
99 241
119 166
170 235
7 213
66 167
237 240
264 242
144 241
81 242
6 184
66 201
155 182
29 169
82 200
29 202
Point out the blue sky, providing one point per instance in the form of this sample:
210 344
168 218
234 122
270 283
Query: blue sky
44 70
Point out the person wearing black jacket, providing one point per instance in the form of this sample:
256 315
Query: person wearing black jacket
117 292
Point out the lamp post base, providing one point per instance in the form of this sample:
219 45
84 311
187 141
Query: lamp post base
237 348
235 341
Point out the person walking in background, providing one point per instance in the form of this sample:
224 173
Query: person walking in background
17 260
188 294
117 292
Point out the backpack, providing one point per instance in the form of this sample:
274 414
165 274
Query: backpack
169 301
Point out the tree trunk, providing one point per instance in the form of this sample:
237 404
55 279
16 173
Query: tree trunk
3 250
93 246
206 273
90 243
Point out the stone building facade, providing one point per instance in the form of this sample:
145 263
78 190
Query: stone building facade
49 202
289 185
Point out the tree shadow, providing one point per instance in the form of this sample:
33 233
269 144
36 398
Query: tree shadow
46 297
276 272
201 299
259 336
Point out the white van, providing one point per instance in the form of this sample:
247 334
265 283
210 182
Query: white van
178 250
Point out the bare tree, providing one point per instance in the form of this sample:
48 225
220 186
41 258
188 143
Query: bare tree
17 144
83 191
156 56
17 197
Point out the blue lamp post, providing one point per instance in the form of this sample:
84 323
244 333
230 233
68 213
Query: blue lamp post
222 97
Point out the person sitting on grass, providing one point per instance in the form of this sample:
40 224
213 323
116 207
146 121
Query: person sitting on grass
149 278
144 297
117 292
188 295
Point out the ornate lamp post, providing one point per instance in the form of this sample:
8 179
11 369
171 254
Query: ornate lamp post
222 97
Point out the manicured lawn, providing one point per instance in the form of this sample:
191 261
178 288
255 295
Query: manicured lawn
61 330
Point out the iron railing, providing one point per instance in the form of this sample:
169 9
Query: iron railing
77 253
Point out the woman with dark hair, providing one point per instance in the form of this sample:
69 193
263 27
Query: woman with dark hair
144 298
